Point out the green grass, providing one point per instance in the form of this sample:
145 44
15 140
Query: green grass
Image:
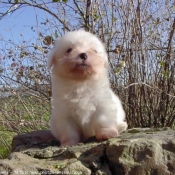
5 142
21 115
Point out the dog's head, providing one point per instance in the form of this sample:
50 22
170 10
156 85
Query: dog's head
78 55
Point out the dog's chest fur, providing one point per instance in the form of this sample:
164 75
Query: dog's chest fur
81 100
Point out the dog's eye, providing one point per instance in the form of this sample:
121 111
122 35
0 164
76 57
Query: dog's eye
95 51
69 50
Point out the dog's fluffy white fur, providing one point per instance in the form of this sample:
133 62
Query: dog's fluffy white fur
83 103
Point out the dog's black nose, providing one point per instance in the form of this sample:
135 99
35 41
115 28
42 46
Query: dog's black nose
83 56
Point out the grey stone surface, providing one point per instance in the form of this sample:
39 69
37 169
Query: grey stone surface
138 151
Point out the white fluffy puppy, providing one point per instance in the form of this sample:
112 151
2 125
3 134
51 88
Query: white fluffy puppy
83 103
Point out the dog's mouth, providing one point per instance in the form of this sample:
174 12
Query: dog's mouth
82 65
82 68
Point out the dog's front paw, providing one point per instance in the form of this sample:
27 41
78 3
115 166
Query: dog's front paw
70 140
106 133
70 143
67 139
122 126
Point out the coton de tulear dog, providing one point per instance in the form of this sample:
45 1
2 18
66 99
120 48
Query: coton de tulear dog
83 103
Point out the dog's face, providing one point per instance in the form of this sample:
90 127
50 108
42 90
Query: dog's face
78 55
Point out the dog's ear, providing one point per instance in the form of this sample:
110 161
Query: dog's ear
50 60
52 56
106 64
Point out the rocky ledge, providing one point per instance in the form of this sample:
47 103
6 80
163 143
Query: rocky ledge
136 152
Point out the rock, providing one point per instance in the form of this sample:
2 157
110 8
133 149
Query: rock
138 151
41 138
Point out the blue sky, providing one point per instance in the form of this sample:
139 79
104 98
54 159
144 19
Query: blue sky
17 28
20 22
